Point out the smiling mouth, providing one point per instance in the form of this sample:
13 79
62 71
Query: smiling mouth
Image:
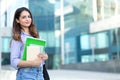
27 23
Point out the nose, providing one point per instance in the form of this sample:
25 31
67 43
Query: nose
27 18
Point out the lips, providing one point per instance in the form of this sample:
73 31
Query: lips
27 22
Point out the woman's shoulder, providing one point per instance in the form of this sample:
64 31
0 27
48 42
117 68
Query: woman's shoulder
15 41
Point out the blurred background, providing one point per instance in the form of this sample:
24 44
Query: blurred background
80 34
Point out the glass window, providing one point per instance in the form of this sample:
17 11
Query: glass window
5 44
101 57
87 58
57 37
98 57
85 43
43 35
49 37
70 50
102 40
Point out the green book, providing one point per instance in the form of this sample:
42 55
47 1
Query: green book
32 41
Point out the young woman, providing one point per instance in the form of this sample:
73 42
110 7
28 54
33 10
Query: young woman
24 27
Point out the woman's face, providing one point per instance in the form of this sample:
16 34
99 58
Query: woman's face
24 19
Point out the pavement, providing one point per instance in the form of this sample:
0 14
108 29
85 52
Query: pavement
67 75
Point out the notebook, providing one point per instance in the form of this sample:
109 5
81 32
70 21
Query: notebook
33 47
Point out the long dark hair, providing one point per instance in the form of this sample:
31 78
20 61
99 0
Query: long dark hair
16 30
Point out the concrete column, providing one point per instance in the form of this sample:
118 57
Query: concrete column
94 6
62 29
0 38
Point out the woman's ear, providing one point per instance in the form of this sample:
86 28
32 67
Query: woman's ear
17 20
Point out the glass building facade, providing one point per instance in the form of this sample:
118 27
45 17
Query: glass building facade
80 44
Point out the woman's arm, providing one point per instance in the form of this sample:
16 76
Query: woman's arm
34 63
15 57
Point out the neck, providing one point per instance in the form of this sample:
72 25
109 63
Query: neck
26 30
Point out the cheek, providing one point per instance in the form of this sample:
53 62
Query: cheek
30 20
22 23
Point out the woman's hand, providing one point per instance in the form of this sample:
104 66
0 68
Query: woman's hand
43 56
37 61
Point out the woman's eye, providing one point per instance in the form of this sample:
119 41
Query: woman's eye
29 16
24 17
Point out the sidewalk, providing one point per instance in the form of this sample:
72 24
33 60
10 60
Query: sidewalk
66 75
